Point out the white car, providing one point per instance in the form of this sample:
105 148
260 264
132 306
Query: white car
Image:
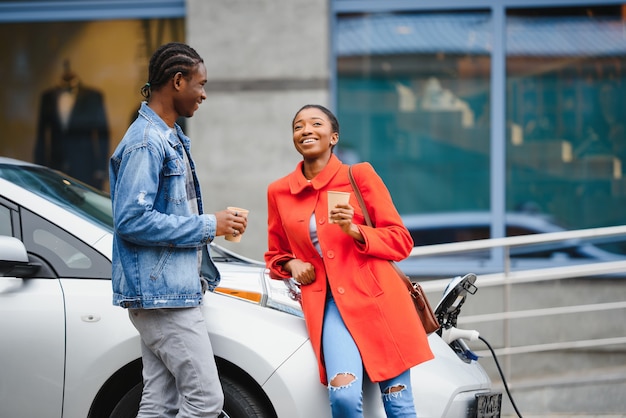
67 352
447 227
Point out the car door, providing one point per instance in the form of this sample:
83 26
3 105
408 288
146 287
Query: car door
34 353
32 337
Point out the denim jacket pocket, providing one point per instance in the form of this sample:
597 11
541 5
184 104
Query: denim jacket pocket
164 256
173 165
174 181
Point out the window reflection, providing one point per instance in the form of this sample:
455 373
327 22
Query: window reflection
413 99
565 104
71 89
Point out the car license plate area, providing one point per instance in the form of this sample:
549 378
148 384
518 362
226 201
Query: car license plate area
488 405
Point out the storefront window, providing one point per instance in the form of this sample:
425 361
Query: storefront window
413 95
566 146
70 89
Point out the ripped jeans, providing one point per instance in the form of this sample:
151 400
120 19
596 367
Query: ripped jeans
344 370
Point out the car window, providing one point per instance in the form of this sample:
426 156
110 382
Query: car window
65 191
514 231
552 250
446 235
460 233
5 221
617 247
63 252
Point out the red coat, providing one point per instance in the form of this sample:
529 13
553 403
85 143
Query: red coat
373 301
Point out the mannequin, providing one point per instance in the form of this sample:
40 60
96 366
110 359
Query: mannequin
72 131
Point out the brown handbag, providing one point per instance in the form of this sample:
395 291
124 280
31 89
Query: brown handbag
425 312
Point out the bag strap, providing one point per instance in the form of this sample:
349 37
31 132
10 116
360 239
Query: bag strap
368 222
359 197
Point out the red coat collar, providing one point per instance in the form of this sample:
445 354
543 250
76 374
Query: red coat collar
297 181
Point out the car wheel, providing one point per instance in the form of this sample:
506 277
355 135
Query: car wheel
128 406
240 403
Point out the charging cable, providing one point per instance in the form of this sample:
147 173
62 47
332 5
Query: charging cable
453 333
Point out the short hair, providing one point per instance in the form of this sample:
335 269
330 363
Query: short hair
168 60
334 123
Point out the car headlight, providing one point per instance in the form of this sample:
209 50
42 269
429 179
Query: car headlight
282 295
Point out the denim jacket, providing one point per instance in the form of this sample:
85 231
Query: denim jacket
157 238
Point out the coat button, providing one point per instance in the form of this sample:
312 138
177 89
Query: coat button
321 220
341 290
330 254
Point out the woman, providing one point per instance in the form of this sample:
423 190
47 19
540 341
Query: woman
358 312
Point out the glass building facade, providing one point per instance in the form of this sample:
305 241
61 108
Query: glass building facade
461 105
497 106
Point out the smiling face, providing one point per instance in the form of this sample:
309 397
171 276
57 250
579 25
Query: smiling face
313 133
190 91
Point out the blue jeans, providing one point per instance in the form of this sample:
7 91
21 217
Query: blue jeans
343 360
179 372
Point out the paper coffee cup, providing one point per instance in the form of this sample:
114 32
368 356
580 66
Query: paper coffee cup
336 198
242 212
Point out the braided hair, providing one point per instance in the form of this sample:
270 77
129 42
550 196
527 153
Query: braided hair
167 60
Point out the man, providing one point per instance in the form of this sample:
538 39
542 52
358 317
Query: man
160 230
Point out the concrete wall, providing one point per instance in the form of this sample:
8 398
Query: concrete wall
264 59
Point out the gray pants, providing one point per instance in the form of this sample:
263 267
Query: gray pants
179 372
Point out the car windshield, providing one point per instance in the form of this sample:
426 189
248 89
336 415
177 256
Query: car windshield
71 194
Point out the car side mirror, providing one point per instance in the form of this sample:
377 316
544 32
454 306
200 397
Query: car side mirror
14 258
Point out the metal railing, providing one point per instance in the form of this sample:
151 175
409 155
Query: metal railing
507 279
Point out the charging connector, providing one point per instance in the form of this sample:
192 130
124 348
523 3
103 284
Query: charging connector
452 334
